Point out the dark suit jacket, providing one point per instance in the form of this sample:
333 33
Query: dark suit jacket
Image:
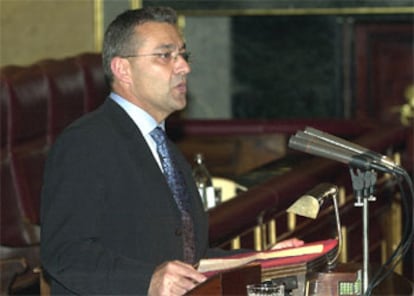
108 216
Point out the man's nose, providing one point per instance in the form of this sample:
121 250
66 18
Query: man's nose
182 65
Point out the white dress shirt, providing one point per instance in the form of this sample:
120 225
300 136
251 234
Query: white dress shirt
144 121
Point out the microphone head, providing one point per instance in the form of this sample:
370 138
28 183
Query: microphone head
321 144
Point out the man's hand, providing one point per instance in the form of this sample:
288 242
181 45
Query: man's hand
174 278
293 242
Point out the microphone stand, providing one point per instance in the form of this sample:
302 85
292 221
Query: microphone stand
363 185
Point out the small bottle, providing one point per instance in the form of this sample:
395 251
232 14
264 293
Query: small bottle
203 181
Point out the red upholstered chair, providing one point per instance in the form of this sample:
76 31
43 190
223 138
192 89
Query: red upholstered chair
5 93
27 105
37 102
26 109
13 232
23 111
27 169
67 93
19 245
96 86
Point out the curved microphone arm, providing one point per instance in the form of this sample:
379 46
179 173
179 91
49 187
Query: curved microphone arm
331 263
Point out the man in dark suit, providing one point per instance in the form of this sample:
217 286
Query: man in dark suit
111 222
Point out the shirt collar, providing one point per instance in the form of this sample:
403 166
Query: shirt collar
145 122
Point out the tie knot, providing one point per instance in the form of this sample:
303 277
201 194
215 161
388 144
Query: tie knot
158 135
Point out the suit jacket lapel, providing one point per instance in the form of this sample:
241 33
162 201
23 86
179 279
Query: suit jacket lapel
138 148
142 156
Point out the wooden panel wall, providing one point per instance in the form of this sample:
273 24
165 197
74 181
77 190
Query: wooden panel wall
384 68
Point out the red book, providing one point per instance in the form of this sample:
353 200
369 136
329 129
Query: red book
309 254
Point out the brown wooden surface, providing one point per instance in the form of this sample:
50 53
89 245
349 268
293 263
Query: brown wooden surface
281 191
271 198
384 68
231 155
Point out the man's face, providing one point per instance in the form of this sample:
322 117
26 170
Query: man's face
159 71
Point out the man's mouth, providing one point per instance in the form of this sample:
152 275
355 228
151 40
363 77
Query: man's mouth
182 87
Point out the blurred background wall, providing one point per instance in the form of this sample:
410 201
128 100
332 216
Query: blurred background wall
33 30
309 59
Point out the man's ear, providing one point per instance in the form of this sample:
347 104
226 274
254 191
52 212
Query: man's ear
121 69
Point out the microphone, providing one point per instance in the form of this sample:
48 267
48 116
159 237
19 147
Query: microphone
381 159
315 146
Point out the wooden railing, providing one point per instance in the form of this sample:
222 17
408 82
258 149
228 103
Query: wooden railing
238 214
257 217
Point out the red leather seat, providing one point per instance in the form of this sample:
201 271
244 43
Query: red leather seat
37 102
19 241
67 93
26 108
96 86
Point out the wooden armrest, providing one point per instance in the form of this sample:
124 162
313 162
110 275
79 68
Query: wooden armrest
16 268
9 269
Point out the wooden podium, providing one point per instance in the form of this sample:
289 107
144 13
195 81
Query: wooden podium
232 282
310 269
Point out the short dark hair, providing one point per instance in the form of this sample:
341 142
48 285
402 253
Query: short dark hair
119 37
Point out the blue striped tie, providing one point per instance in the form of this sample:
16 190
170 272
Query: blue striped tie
176 183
